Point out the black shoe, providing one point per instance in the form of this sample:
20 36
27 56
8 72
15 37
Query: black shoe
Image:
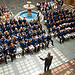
6 62
60 42
11 60
52 45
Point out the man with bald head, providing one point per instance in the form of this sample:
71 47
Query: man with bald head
47 60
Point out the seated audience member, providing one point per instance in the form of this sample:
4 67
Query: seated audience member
44 38
60 36
14 21
9 27
23 25
1 34
39 32
35 22
5 52
32 23
13 27
3 28
40 26
9 42
11 32
12 51
34 33
25 36
6 34
1 54
35 43
26 24
15 40
3 41
3 17
20 21
0 13
16 32
18 25
35 27
40 41
24 46
20 37
29 35
6 23
49 39
11 22
7 17
21 30
24 20
30 45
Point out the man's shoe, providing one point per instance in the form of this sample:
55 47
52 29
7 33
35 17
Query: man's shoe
6 62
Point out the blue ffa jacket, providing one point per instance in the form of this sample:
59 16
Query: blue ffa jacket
24 20
8 28
20 21
1 52
49 37
59 34
16 32
18 26
40 40
3 41
1 35
11 49
23 45
5 51
32 23
34 34
25 37
34 42
14 41
40 26
44 38
29 35
20 38
39 33
35 28
43 31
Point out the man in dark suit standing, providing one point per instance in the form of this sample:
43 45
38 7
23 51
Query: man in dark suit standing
47 60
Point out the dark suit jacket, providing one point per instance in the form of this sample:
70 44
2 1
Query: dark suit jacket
48 60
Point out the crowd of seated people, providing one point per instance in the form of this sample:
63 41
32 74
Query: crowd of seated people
5 13
45 5
29 35
60 22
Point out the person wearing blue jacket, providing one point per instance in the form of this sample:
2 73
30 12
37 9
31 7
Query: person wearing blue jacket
40 41
5 52
35 43
24 46
3 40
1 54
44 38
49 38
29 35
20 37
12 51
25 36
34 33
